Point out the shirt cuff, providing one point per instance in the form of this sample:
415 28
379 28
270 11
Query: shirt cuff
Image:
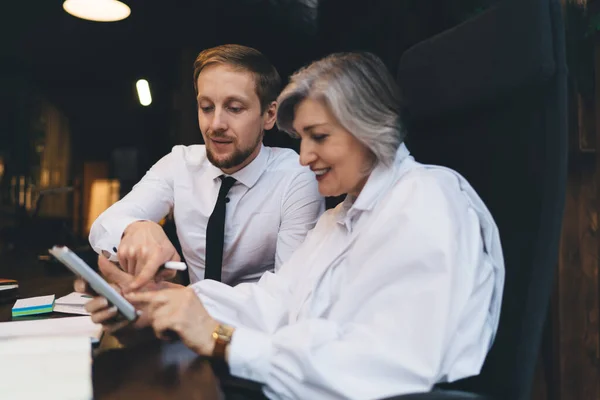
250 354
114 231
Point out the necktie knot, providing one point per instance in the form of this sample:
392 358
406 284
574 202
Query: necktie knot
226 183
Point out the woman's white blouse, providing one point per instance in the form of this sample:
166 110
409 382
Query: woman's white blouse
390 293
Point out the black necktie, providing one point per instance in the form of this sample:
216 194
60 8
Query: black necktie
215 232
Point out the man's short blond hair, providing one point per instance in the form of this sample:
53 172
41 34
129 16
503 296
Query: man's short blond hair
267 79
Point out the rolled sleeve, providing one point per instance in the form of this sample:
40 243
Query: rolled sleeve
250 354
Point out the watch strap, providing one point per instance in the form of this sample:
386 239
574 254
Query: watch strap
222 336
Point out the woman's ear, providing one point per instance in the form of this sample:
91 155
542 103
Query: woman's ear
270 116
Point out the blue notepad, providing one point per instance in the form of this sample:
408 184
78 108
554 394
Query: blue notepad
33 305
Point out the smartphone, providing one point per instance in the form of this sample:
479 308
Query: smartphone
96 282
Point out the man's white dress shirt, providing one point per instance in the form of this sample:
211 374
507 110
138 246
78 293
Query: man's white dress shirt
271 207
391 292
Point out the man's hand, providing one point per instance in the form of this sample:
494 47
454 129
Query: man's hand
144 248
180 311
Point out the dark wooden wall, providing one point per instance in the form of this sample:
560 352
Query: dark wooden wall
569 364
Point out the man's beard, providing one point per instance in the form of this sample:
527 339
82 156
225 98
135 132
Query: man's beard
236 158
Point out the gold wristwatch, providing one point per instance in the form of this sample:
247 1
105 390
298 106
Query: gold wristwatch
222 335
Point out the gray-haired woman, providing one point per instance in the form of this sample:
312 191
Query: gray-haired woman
396 289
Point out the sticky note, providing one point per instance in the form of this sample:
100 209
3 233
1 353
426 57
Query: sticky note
33 305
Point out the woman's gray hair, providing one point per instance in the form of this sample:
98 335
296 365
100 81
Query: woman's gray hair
359 91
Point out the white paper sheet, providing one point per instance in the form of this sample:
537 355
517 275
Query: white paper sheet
68 309
73 299
49 368
73 303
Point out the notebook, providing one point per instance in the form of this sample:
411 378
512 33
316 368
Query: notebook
33 305
52 367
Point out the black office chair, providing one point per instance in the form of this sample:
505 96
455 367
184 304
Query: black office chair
488 98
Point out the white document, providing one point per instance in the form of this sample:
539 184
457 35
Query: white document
73 303
69 326
48 368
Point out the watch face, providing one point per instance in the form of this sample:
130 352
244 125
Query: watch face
223 332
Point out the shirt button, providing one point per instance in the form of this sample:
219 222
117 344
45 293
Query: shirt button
226 199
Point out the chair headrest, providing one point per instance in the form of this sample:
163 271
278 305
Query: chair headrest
498 51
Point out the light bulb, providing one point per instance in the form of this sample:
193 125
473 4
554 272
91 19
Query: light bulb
143 91
97 10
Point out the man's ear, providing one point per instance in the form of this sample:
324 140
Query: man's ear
270 115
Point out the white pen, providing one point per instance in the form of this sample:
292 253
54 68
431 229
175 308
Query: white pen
174 265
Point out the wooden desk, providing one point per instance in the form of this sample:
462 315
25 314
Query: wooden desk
161 370
35 279
154 370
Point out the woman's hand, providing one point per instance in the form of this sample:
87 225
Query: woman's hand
99 308
179 311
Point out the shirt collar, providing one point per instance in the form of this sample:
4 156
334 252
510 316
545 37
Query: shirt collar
376 185
248 175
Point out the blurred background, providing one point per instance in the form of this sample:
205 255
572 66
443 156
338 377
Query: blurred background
74 136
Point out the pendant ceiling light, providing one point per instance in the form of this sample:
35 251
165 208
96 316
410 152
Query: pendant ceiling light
97 10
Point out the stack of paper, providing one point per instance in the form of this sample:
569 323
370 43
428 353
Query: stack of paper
9 290
73 303
52 367
69 326
33 305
